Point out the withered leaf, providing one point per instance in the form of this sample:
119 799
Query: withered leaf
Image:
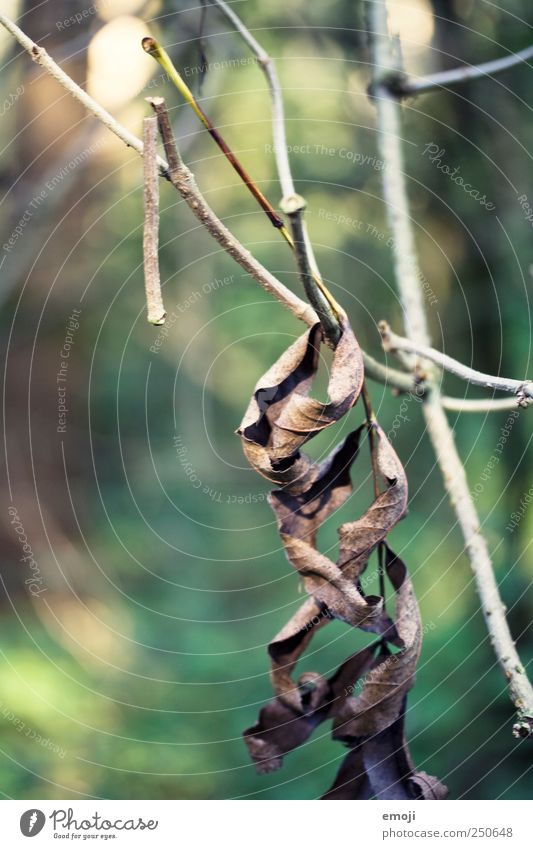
281 417
357 540
282 728
299 516
380 701
288 645
381 767
331 486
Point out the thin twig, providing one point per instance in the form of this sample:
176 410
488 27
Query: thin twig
278 116
393 378
494 610
183 180
293 208
441 436
372 444
151 46
392 342
481 405
39 55
456 76
291 203
374 369
152 279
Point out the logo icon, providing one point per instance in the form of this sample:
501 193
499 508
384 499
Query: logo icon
32 822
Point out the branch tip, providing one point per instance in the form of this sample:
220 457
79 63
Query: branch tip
523 728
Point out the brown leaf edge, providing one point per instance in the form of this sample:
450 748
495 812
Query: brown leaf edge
381 767
281 417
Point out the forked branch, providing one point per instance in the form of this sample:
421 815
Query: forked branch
458 76
392 342
385 66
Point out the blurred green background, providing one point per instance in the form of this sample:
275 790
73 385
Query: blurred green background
135 670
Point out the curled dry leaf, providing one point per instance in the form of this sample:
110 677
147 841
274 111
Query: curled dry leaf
371 723
380 767
281 416
336 586
281 728
357 540
380 700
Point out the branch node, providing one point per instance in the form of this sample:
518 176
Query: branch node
523 728
290 204
393 83
525 394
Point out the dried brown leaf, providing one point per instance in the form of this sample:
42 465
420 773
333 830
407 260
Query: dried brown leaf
281 417
357 540
380 767
299 516
385 687
281 728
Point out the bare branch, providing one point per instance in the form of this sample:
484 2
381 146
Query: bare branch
293 207
278 115
183 180
291 203
400 381
392 342
482 405
457 76
152 280
386 65
375 370
494 610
